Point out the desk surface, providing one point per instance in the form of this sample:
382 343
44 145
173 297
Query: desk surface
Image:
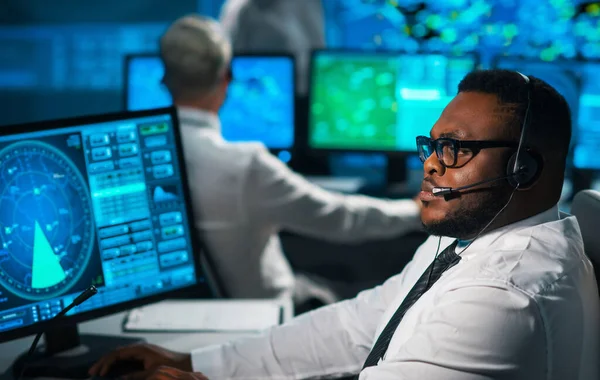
111 325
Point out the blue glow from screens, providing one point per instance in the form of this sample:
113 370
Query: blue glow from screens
545 30
259 104
578 82
588 135
98 204
379 101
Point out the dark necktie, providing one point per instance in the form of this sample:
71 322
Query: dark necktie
445 260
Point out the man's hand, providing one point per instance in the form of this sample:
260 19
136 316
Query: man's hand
168 373
150 355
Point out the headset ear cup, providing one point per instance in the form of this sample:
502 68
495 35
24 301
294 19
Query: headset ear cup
529 173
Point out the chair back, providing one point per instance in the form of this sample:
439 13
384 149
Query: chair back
586 208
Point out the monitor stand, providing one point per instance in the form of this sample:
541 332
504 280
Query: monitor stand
67 354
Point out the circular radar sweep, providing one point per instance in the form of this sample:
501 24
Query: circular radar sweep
46 226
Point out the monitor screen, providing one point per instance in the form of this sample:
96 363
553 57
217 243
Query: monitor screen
585 155
144 89
259 104
373 101
577 81
97 203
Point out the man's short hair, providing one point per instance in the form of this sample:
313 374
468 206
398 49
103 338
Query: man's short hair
196 54
549 115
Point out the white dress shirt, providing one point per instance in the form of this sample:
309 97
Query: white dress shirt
243 196
279 26
522 304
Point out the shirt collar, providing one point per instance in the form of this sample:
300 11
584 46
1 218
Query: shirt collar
487 239
199 118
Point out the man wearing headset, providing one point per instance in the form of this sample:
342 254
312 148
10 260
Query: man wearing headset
506 293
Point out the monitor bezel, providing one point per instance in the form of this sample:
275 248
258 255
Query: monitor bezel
202 280
241 54
317 151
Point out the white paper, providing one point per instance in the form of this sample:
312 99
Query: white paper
205 315
348 185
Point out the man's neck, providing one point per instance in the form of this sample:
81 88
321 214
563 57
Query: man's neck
512 214
198 105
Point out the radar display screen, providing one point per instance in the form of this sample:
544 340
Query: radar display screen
95 204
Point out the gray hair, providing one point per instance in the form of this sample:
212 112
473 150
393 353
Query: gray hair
196 54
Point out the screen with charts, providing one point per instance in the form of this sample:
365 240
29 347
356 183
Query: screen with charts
578 82
259 104
377 101
98 204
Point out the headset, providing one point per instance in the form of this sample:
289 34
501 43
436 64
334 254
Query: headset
524 166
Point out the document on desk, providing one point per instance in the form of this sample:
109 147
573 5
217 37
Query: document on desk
205 315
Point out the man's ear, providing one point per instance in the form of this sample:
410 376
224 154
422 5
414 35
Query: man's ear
529 170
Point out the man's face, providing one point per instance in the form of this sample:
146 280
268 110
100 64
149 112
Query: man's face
469 116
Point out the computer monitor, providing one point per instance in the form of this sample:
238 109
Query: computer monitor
142 84
578 82
379 101
102 201
259 105
585 155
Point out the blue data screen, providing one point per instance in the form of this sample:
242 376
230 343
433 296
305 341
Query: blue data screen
259 104
144 87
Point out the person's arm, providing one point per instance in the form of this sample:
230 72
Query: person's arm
331 341
229 16
475 333
278 196
256 26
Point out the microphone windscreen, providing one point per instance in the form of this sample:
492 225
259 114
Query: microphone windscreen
440 191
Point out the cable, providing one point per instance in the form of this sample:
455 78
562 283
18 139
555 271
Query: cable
522 138
88 293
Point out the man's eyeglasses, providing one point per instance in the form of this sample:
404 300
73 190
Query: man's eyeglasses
455 153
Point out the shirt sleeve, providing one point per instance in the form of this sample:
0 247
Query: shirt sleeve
473 333
331 341
253 26
229 16
278 196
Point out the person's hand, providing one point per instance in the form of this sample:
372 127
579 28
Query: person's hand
151 356
168 373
